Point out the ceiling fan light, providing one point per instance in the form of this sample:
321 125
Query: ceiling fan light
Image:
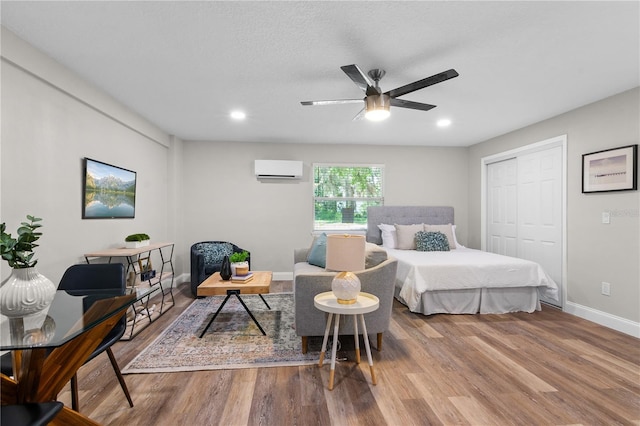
377 107
238 115
377 114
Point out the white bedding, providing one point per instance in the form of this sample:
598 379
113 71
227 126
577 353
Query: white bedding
465 268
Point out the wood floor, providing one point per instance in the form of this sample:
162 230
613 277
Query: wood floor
546 368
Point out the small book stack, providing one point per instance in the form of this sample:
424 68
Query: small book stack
242 278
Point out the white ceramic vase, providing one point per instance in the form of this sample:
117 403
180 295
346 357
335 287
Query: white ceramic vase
25 292
39 328
136 244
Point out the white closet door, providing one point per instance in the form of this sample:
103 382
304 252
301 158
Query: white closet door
502 214
539 207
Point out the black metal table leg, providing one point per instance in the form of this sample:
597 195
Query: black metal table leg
237 294
250 314
216 314
265 302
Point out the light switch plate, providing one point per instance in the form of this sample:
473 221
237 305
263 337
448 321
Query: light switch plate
606 217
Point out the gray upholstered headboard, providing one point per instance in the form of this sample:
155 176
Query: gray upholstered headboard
405 215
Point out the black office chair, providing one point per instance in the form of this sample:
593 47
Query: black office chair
6 364
83 279
31 414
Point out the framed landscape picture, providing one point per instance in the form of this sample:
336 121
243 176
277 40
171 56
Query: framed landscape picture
109 192
610 170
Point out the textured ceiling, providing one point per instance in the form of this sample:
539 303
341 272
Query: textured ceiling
185 65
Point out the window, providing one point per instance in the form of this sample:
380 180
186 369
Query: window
342 193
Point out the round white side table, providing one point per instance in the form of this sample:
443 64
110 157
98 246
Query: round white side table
364 304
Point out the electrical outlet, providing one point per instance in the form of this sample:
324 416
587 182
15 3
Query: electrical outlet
606 288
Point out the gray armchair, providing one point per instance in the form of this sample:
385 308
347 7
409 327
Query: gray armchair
377 278
206 259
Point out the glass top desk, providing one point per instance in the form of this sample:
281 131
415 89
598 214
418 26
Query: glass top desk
50 346
65 319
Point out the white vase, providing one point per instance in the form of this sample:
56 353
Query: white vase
136 244
25 292
39 328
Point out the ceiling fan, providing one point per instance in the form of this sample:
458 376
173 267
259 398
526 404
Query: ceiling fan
376 103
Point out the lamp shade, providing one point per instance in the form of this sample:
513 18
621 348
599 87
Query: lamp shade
345 252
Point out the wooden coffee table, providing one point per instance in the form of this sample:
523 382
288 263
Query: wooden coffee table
215 286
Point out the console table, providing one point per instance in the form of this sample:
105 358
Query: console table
142 275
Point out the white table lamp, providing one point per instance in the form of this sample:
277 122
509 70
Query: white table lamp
345 253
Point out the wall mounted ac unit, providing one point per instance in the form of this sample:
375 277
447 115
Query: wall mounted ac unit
278 169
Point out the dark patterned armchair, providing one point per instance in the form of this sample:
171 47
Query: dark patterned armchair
206 258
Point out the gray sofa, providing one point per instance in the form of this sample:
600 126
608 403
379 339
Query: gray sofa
377 278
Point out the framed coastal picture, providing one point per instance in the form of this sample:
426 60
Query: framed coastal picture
613 169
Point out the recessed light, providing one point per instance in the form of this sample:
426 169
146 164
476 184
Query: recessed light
238 115
445 122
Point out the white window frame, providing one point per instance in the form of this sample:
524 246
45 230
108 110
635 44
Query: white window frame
351 227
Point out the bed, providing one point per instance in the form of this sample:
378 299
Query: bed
459 281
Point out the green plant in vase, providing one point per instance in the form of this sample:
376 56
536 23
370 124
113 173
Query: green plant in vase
239 264
18 252
239 257
136 240
25 291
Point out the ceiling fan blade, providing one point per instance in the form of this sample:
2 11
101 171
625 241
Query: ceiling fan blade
421 84
411 105
359 78
333 102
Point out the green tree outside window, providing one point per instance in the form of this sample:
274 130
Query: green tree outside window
342 195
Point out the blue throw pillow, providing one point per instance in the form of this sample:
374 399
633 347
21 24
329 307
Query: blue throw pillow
318 252
431 241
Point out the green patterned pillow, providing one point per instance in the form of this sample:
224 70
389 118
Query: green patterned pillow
431 241
214 252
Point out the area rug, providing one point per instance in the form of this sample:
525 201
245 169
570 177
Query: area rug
232 341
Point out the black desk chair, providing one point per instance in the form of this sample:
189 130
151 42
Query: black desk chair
79 280
6 364
31 414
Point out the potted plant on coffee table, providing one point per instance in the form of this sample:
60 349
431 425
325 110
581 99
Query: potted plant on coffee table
239 264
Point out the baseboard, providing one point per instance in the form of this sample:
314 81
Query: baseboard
182 278
282 276
622 325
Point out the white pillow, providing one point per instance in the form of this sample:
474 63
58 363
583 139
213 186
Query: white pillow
389 239
406 236
455 239
446 230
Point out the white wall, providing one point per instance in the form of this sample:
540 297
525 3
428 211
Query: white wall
187 191
194 191
225 201
596 252
51 120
